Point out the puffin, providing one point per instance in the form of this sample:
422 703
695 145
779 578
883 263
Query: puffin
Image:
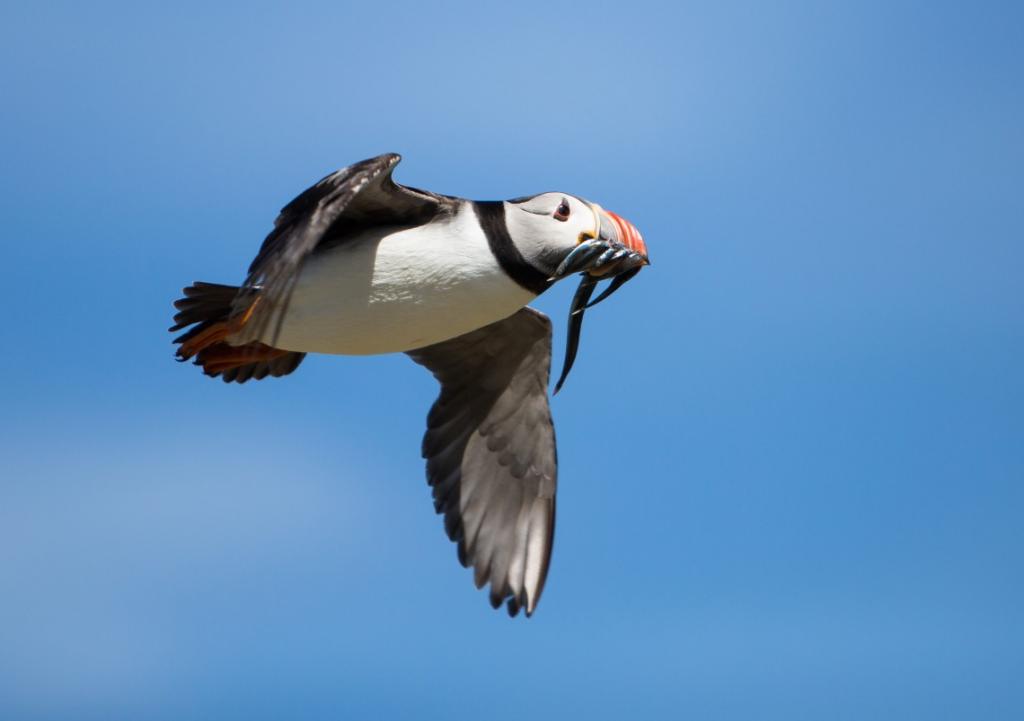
358 264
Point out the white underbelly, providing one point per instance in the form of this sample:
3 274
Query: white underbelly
405 290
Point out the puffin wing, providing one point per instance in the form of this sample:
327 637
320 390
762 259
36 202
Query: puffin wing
490 450
358 196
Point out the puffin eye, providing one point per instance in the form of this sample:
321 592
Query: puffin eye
562 212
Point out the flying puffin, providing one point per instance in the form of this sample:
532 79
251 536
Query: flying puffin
358 264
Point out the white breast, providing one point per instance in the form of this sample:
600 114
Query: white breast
389 291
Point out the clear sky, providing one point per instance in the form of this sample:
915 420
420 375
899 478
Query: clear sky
791 452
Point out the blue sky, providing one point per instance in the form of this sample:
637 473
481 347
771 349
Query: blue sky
792 451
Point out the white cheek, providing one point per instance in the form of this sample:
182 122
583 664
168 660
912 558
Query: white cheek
539 237
583 226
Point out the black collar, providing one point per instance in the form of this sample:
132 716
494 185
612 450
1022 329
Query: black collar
491 214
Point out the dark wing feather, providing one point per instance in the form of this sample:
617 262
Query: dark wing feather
490 450
352 198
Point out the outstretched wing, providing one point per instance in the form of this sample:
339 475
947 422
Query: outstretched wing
490 450
352 198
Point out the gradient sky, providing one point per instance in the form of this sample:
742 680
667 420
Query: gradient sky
792 451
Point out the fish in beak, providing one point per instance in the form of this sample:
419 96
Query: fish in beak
614 251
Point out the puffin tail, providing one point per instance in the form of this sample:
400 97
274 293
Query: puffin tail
207 307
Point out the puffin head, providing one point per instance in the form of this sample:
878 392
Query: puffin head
549 227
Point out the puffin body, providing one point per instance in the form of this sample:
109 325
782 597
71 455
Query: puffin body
358 264
391 290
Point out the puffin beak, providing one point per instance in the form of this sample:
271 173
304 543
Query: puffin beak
615 250
616 230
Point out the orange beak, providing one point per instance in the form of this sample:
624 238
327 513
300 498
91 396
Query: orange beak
617 229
